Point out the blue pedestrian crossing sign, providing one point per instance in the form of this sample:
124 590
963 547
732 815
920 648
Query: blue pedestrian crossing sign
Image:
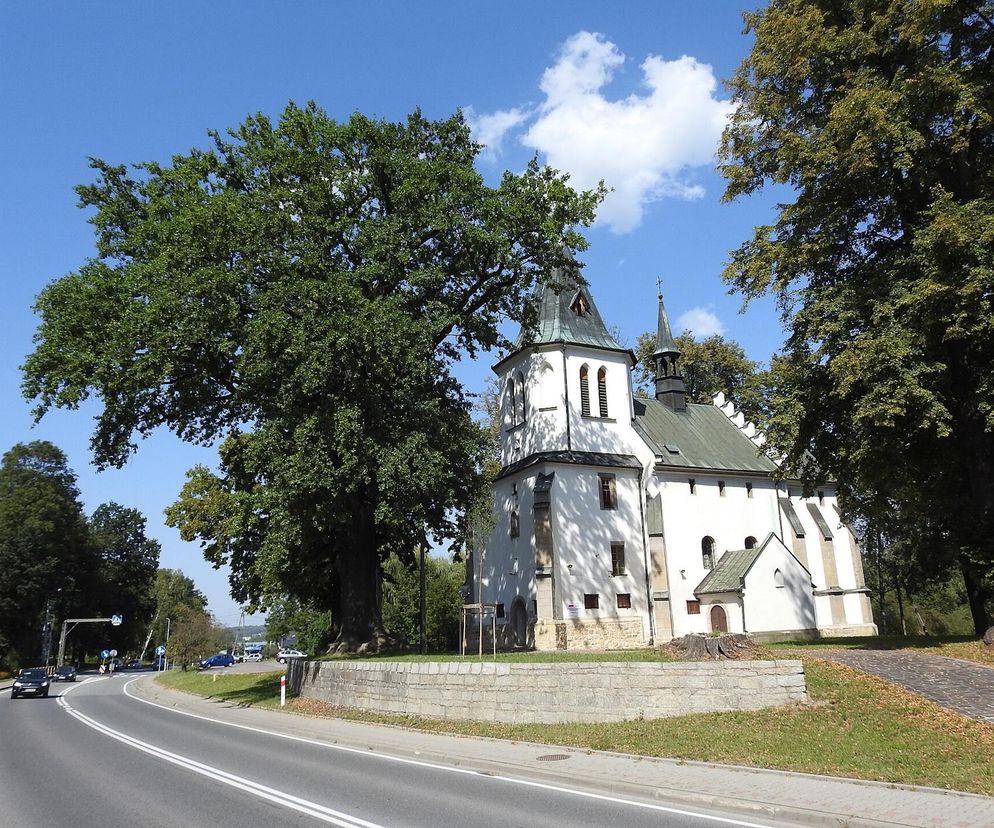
116 620
160 650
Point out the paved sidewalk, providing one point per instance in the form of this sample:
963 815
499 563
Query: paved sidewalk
961 686
753 793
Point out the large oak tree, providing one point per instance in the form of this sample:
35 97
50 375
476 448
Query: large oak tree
300 291
878 117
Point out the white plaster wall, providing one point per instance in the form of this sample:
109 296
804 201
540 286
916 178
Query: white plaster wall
544 426
853 609
612 434
508 566
733 610
769 607
583 533
688 518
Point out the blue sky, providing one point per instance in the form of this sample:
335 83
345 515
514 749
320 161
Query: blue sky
630 92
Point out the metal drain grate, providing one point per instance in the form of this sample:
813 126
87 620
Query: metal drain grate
552 757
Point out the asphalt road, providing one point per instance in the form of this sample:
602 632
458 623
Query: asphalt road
93 755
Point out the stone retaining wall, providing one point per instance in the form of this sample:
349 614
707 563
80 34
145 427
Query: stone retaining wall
551 692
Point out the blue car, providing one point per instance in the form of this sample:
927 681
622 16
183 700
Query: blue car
219 660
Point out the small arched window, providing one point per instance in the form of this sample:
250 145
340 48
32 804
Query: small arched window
602 391
707 552
584 391
777 578
750 542
512 403
520 413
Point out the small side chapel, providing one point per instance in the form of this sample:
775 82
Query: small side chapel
623 521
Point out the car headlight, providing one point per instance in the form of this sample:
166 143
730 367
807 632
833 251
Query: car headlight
18 684
44 684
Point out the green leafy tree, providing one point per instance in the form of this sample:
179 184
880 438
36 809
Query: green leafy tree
311 627
128 564
708 366
45 555
878 117
300 292
172 589
443 602
194 636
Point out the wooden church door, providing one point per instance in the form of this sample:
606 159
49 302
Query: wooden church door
719 622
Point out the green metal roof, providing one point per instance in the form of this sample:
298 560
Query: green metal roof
572 458
702 437
728 573
559 319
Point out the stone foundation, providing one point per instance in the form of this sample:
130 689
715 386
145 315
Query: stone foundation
551 692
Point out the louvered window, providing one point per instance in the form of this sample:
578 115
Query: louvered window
602 391
707 553
584 392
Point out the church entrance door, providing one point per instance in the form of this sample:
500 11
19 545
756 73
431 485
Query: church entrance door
519 623
719 622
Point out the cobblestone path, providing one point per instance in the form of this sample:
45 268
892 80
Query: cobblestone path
957 685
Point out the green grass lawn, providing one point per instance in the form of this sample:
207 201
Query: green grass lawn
256 689
855 726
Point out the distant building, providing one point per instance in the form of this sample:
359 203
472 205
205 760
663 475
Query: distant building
621 520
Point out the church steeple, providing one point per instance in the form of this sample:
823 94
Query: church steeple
670 388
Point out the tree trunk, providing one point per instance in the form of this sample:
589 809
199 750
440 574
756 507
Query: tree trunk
977 594
900 606
358 621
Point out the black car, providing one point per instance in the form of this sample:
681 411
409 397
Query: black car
65 673
33 682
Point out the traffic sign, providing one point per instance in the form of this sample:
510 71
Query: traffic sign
113 653
160 650
116 620
105 654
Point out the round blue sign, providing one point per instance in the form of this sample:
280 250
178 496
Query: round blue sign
160 650
105 653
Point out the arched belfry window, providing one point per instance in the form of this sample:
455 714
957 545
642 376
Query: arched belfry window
750 542
602 391
584 391
512 402
707 552
522 406
580 306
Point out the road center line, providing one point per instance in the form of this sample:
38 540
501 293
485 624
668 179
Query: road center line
448 769
304 806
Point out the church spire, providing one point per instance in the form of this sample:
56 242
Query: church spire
670 388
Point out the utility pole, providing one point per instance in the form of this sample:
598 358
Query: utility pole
238 632
423 607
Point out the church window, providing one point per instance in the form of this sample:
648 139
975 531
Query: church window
500 611
580 306
748 489
707 552
624 600
821 498
693 608
609 493
515 522
591 601
617 559
602 391
750 542
778 578
584 392
520 412
512 402
693 485
721 488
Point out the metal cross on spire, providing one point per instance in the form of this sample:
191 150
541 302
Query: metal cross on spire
659 287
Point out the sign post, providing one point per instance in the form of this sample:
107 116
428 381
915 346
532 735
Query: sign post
283 690
74 621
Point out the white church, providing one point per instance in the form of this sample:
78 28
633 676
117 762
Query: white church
623 521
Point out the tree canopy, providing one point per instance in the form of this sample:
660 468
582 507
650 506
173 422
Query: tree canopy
300 291
45 553
878 116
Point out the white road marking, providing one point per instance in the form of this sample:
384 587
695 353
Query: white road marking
448 769
295 803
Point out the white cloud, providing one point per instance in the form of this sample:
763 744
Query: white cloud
701 322
490 130
642 145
